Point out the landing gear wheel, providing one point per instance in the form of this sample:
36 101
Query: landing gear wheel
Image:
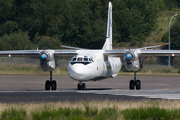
131 85
135 82
54 85
79 87
83 86
138 85
47 85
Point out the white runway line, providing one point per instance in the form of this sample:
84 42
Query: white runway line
161 93
164 94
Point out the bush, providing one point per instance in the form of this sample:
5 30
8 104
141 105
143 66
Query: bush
160 4
165 38
133 43
15 41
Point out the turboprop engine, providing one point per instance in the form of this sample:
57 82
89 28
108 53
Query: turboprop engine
132 60
47 61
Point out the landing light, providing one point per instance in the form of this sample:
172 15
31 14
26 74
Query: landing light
9 55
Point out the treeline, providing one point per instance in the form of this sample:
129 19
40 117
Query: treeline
167 4
25 24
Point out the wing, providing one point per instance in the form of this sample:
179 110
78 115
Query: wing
160 52
74 48
65 53
121 52
150 47
20 53
115 53
35 53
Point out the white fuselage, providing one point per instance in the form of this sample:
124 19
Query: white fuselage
91 65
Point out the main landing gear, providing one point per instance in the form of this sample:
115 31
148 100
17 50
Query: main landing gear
50 83
81 86
134 83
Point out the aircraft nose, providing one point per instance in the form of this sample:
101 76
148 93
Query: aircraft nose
78 72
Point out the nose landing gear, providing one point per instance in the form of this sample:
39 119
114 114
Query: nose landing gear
81 86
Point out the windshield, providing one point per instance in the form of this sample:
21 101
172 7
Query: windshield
74 59
85 59
81 60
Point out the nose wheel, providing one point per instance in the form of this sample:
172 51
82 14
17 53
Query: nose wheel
134 83
50 83
81 86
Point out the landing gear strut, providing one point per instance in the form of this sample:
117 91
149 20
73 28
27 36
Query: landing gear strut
50 83
81 86
134 83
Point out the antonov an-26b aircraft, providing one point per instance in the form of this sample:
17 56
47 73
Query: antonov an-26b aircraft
92 65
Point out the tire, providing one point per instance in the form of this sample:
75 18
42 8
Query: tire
54 86
131 85
83 86
138 85
47 85
79 87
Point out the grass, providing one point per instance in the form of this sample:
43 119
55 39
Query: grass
13 114
154 113
93 110
153 71
25 69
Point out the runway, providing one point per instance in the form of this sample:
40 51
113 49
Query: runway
15 89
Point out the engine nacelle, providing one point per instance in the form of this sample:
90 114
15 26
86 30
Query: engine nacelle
132 62
47 61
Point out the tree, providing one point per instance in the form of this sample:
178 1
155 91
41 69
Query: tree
80 23
15 41
175 36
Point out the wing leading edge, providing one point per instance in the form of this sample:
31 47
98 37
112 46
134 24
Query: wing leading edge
35 53
160 52
121 52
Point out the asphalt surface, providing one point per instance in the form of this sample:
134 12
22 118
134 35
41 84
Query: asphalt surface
15 89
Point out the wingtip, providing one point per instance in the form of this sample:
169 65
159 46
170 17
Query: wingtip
60 45
161 45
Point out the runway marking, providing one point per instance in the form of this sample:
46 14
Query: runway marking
161 93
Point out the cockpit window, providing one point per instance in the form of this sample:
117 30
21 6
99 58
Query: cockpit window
85 59
90 59
74 59
79 59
